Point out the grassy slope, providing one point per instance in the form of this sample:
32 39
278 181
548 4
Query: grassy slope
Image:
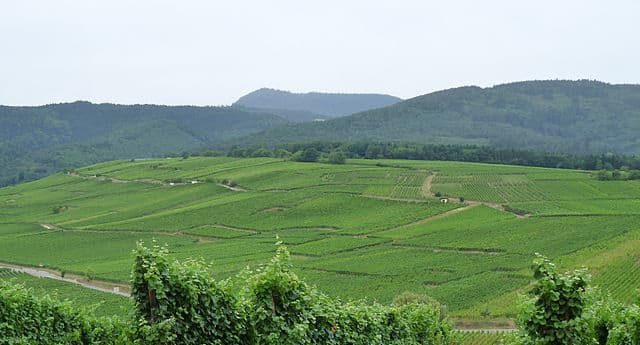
364 229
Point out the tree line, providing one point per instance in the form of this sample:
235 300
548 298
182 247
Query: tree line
337 152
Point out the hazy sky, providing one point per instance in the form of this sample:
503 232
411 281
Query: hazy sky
212 52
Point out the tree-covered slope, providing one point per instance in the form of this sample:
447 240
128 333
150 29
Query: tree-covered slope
312 105
36 141
567 116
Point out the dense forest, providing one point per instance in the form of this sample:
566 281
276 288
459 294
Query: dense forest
554 116
37 141
302 107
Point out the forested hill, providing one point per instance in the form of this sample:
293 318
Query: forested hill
36 141
557 116
313 105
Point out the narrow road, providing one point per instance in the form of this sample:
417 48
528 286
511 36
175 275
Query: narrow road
426 186
103 286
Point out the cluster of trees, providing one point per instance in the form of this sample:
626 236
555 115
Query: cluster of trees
178 303
335 151
624 174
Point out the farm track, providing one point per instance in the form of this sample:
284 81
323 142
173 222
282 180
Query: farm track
104 286
154 182
426 186
233 188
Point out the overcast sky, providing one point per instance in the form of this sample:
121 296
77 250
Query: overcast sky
212 52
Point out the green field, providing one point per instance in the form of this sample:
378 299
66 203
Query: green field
102 303
366 229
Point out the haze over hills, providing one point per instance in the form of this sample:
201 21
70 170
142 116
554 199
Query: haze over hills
37 141
560 116
303 107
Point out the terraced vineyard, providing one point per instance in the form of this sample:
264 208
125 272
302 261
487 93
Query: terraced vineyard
365 229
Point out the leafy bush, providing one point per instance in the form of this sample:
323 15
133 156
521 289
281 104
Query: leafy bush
553 315
25 319
274 306
180 301
336 157
562 311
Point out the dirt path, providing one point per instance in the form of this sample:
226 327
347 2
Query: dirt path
115 180
108 287
438 216
426 186
432 218
233 188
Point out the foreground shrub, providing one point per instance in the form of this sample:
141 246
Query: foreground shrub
561 310
273 307
178 303
25 319
554 313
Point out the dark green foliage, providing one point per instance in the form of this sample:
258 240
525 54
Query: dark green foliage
336 157
179 299
617 175
178 304
25 319
562 311
309 154
554 314
37 141
558 116
461 153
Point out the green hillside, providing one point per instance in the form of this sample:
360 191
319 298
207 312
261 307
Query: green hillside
38 141
366 229
562 116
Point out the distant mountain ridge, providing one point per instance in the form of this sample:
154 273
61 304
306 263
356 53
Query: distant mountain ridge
557 115
312 105
37 141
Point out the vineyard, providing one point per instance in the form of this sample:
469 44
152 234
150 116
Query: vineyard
101 303
480 338
366 229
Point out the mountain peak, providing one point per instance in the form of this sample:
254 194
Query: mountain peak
319 103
